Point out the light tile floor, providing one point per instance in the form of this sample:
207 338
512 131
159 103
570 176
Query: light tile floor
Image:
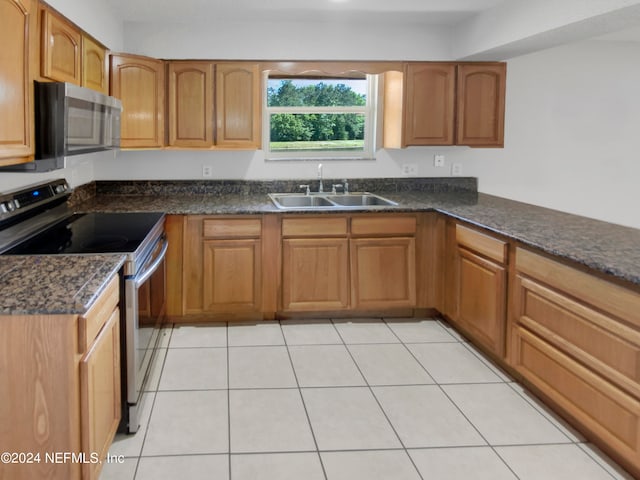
364 399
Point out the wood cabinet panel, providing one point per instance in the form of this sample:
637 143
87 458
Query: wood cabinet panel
232 275
383 272
484 244
232 227
16 133
95 67
238 105
315 274
480 104
429 104
607 412
139 83
100 394
381 225
190 104
61 49
482 297
325 226
91 323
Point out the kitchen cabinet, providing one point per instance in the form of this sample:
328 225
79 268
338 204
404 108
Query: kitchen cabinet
190 93
576 338
429 107
61 48
477 280
315 263
223 266
238 105
359 262
62 392
139 82
16 131
95 67
382 254
480 104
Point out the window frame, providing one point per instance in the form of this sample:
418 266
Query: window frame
370 111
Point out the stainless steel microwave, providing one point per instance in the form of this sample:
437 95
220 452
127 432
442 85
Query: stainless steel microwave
70 120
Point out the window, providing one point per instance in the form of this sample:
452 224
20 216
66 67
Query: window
319 117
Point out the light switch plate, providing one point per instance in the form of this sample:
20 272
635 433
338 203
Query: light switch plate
438 160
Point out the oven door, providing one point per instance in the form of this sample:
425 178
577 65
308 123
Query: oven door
145 303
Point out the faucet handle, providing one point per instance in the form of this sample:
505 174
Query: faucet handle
334 186
307 191
345 184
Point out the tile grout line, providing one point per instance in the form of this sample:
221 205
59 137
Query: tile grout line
404 447
304 405
455 404
226 331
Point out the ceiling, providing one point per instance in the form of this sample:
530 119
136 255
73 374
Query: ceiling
429 12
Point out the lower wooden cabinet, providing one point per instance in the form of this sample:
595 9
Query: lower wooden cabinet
576 338
61 389
478 286
222 265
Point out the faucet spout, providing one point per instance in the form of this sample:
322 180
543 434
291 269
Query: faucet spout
320 186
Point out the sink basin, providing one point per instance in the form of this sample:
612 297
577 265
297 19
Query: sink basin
360 200
328 201
288 200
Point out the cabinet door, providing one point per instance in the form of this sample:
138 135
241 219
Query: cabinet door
60 49
94 65
482 300
232 275
315 275
191 104
383 273
139 83
480 109
100 394
16 144
238 105
429 104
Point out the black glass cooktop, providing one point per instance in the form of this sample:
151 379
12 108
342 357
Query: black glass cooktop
92 233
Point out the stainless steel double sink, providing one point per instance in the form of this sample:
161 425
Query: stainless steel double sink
329 201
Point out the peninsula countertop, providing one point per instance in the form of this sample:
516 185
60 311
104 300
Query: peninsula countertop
608 248
54 284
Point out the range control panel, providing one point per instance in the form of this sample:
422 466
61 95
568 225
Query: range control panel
24 199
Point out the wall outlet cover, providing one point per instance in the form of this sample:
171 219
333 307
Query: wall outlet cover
456 170
438 160
410 169
207 171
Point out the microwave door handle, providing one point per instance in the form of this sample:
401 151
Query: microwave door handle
144 276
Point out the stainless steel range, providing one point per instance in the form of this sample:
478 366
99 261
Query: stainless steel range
37 220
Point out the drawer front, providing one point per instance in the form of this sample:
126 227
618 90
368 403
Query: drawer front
91 323
602 343
608 297
484 244
606 411
383 225
231 227
314 227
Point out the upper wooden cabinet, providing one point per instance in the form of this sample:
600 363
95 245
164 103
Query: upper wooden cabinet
139 83
429 113
190 104
95 66
61 48
480 104
16 145
238 105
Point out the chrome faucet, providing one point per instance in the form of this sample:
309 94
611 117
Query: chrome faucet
320 186
345 186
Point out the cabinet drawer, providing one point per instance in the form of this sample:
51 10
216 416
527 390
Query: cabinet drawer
597 340
314 227
91 323
232 227
484 244
606 411
383 225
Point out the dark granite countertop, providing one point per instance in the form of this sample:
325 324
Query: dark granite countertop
605 247
54 284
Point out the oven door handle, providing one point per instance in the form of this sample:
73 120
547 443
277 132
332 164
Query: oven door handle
144 276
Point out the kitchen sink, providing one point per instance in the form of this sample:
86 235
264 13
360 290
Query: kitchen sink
329 201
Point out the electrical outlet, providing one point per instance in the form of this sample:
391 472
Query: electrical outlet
438 160
207 171
456 170
410 169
